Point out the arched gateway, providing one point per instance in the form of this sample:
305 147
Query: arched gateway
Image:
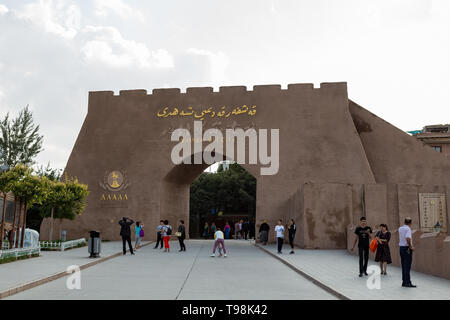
337 161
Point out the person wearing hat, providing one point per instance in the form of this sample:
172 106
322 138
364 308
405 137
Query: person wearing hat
264 232
125 233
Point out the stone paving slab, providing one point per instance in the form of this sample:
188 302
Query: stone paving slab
17 273
339 270
247 273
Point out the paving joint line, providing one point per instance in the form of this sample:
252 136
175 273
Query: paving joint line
190 270
307 276
35 283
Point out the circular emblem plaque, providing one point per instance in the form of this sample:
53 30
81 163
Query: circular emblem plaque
115 179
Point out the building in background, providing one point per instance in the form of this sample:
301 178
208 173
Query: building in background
436 136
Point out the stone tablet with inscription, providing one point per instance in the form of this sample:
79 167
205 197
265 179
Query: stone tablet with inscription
432 210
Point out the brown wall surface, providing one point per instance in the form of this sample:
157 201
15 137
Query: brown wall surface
395 156
318 143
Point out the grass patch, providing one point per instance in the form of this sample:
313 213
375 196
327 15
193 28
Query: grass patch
12 259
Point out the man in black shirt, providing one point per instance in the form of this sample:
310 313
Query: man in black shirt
125 232
264 232
362 236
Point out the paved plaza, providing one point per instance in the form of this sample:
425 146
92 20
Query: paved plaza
247 273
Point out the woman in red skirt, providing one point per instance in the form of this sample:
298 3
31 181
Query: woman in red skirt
166 231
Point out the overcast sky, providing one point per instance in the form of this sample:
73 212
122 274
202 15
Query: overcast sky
394 55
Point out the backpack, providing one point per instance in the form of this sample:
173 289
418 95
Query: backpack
141 233
169 230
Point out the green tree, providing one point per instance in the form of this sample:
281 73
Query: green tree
65 200
232 190
20 141
6 182
28 188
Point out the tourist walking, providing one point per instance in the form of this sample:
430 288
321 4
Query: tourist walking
251 232
158 234
227 230
291 229
206 230
241 233
245 229
166 231
362 236
125 233
264 232
181 234
406 252
237 230
139 229
219 241
279 235
383 254
213 229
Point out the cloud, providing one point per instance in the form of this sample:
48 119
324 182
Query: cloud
109 47
118 7
3 9
57 17
218 63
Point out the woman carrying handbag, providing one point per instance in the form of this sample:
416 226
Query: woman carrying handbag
383 255
181 234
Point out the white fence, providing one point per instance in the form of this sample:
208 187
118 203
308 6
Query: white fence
19 252
54 245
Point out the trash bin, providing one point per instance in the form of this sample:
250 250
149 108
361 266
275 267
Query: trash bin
63 235
94 244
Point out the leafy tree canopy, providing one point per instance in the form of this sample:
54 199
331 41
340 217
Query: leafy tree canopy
20 141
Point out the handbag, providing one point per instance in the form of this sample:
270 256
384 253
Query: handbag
141 233
374 244
178 234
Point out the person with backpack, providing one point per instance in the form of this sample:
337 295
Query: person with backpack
166 231
125 233
158 235
139 228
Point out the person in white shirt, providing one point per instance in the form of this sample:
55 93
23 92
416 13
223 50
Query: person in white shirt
279 235
219 241
406 251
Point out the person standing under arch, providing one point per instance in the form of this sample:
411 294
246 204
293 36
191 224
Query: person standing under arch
264 232
227 229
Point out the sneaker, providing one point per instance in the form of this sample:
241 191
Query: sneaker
225 255
292 252
212 255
